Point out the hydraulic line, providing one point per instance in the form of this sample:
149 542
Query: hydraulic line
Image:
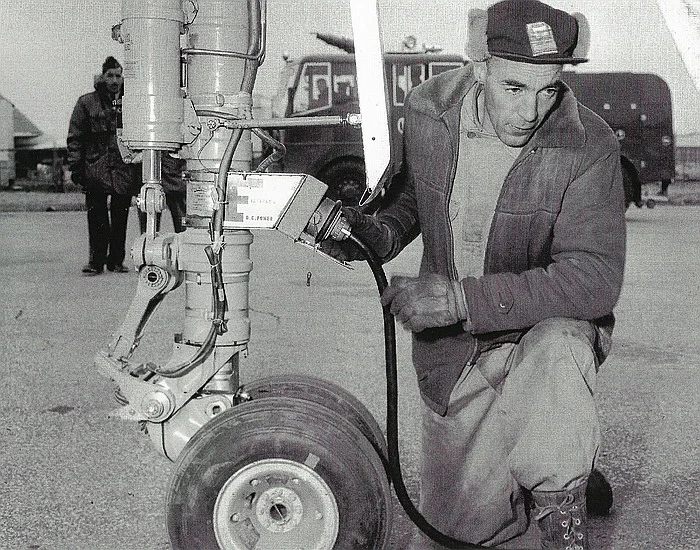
279 150
260 24
392 411
214 251
249 76
218 325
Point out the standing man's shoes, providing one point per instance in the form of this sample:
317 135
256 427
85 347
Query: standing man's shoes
90 270
121 268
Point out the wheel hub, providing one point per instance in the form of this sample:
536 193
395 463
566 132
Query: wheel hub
279 509
276 504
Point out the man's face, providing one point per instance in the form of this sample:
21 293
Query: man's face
113 79
518 96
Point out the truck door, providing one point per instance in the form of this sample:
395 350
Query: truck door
404 77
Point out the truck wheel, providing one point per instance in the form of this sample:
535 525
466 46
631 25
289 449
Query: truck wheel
323 392
346 181
279 474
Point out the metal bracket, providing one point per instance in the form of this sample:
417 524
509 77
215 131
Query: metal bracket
156 399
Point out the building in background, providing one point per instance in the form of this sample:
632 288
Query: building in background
7 143
688 158
23 153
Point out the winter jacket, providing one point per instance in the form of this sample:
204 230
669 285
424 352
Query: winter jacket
556 245
171 172
93 154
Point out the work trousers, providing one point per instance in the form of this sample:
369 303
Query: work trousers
522 418
107 227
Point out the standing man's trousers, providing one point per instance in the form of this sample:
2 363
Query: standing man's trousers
107 227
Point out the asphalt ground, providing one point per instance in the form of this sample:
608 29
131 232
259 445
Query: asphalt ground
72 479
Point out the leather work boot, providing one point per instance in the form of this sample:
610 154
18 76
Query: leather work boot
561 517
599 494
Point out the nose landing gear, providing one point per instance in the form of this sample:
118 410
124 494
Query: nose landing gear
279 473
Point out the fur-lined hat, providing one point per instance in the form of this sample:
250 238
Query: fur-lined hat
528 31
110 63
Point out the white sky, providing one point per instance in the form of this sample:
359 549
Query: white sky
50 49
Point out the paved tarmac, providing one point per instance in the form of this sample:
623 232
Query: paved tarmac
72 479
26 198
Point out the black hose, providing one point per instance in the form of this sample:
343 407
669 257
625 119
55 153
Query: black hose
216 228
392 412
217 328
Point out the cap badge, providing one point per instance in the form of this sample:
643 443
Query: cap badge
541 39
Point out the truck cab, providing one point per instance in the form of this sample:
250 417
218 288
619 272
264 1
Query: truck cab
322 85
637 106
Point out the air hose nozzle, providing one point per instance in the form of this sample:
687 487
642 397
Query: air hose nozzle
327 222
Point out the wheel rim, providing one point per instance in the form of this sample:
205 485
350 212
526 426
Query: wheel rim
276 504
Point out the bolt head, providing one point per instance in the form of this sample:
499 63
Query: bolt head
154 408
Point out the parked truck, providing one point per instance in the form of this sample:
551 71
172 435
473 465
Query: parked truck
637 106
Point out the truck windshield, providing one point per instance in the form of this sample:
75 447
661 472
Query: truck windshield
322 85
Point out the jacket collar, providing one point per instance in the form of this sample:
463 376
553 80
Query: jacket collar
441 97
563 126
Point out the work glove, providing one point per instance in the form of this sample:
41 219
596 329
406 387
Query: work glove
368 229
431 300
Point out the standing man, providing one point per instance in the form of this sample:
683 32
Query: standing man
516 190
96 165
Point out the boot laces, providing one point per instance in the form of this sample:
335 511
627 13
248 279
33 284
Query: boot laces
567 514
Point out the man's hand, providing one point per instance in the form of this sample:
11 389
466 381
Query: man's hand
431 300
367 228
78 178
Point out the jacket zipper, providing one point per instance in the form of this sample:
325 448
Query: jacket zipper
451 268
476 351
